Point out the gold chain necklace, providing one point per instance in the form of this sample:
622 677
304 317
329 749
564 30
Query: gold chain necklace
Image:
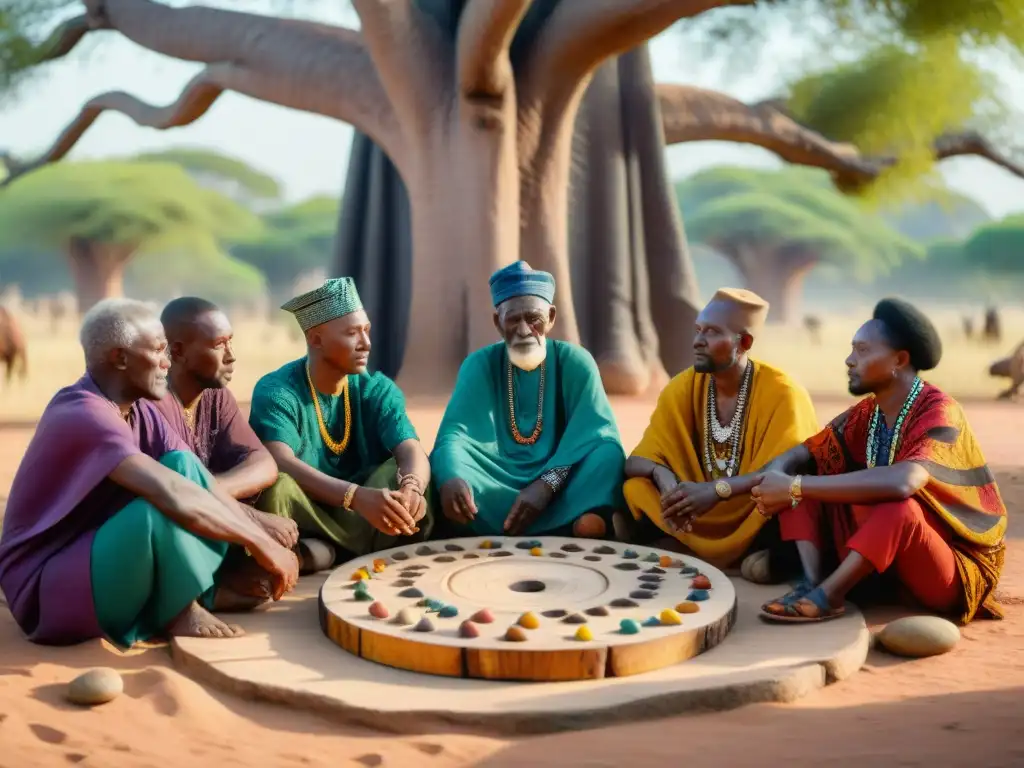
512 409
189 413
332 444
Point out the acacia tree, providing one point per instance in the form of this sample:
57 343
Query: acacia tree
476 115
294 241
776 226
102 214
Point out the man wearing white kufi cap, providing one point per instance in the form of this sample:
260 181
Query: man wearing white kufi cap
716 424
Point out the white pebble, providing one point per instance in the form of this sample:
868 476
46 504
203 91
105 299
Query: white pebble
918 636
97 686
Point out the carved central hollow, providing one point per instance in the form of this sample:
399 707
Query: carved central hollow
528 585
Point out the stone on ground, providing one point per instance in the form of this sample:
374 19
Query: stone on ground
97 686
919 636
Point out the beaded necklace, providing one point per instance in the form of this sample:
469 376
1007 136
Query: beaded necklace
872 447
732 435
512 408
333 445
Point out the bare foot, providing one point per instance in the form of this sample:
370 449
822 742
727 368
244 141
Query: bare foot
196 621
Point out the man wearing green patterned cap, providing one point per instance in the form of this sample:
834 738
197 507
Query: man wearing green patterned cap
356 474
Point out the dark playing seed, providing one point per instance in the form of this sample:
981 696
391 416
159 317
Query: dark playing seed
444 559
591 558
627 566
556 613
453 548
641 594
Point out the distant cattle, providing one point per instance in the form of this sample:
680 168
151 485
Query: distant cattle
812 324
1012 368
993 330
13 353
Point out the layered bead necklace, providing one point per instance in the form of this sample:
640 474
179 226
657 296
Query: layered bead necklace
731 435
876 417
512 408
333 445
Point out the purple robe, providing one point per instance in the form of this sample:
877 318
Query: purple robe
222 438
60 497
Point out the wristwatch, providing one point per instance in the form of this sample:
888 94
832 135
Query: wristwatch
723 489
796 493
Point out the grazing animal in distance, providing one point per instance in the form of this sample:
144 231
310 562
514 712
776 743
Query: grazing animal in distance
12 345
993 330
1011 367
812 323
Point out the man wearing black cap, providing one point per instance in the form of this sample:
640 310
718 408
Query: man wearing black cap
898 481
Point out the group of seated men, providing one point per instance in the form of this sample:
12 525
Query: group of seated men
146 504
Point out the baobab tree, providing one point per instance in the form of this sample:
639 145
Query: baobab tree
475 103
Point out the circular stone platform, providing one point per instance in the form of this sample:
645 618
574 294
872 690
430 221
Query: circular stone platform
542 609
286 659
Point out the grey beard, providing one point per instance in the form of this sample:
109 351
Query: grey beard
530 360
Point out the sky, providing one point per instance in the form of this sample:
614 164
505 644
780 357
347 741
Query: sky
309 154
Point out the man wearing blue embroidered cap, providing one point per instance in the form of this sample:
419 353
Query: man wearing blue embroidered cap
355 474
528 443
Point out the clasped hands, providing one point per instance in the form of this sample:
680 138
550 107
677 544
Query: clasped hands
773 492
458 505
683 502
391 512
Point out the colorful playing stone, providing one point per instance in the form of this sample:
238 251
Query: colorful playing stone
670 618
406 616
434 605
378 611
698 595
360 575
411 592
363 597
687 607
424 625
689 570
515 635
483 616
486 544
652 621
468 629
536 552
529 620
652 558
701 582
448 612
665 561
379 564
629 627
361 586
630 554
584 634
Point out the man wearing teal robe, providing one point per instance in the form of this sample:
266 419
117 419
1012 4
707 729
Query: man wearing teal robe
528 443
354 472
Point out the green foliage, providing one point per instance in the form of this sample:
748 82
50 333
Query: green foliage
793 211
294 241
154 206
950 216
997 248
217 277
203 162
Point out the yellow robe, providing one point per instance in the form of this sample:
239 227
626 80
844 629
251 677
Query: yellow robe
779 416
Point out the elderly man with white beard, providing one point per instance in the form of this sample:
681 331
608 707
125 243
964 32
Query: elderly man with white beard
528 444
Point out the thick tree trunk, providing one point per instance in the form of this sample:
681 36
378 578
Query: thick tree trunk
97 270
628 261
776 275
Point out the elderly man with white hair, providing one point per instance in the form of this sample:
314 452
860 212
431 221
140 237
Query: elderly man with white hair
113 528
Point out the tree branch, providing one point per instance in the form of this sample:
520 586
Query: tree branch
580 34
694 114
195 100
486 29
412 58
64 38
312 67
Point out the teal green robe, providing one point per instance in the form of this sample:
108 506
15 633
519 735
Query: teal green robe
282 411
475 443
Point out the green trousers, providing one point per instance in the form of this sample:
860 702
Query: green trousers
146 569
345 529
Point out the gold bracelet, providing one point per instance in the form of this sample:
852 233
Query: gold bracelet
346 503
796 493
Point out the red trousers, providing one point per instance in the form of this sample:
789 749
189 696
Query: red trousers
894 534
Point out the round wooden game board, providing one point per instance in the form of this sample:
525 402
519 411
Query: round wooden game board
558 582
